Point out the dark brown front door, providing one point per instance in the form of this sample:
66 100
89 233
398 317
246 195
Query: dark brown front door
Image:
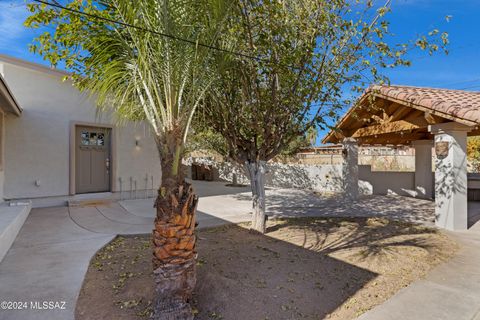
92 159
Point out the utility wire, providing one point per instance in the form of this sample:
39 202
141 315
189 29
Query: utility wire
470 87
166 35
241 54
462 82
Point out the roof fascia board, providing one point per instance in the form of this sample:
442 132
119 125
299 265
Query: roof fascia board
347 115
12 106
33 66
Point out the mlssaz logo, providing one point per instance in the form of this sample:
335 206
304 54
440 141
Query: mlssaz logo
47 305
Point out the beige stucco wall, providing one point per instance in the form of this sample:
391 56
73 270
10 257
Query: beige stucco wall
2 180
385 182
3 118
38 143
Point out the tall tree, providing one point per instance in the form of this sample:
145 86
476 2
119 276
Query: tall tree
308 55
130 56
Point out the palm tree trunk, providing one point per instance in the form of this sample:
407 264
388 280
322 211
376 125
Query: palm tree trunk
257 181
174 244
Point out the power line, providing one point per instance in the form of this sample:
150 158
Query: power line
470 87
241 54
461 82
166 35
12 5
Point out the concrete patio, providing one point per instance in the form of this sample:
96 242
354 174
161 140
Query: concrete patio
449 291
50 256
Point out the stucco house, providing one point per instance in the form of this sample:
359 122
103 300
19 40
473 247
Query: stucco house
55 147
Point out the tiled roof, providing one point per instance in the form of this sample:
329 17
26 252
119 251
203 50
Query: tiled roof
464 105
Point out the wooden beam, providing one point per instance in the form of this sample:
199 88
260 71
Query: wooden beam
432 119
338 135
406 139
400 112
391 127
383 119
434 112
415 115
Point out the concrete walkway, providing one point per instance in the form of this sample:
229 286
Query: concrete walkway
450 291
50 256
47 262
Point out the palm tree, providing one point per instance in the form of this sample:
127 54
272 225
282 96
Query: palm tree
142 74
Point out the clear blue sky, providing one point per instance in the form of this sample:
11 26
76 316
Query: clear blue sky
409 18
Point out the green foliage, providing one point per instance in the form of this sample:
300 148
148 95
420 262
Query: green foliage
118 55
205 139
473 152
311 54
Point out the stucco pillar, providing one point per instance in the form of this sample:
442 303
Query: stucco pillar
423 168
350 168
450 175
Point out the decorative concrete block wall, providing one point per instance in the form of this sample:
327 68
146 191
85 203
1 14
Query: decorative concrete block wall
326 178
321 178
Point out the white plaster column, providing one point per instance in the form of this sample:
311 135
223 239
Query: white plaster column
350 168
451 175
423 168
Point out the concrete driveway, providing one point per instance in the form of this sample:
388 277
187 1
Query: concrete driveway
51 254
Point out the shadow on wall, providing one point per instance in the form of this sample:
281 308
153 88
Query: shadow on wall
386 182
451 180
321 178
393 163
325 178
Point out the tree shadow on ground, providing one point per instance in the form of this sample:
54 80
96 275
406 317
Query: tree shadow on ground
218 188
296 203
307 268
251 276
376 236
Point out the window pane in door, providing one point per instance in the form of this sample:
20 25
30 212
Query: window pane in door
85 138
100 139
93 138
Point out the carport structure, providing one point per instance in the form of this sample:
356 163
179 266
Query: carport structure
427 119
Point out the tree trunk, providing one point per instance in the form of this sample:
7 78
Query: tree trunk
174 245
257 182
234 180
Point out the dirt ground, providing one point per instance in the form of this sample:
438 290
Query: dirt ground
307 268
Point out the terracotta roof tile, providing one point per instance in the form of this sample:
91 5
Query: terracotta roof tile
460 104
456 105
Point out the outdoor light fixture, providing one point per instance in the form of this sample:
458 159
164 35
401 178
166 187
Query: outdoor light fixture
137 142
